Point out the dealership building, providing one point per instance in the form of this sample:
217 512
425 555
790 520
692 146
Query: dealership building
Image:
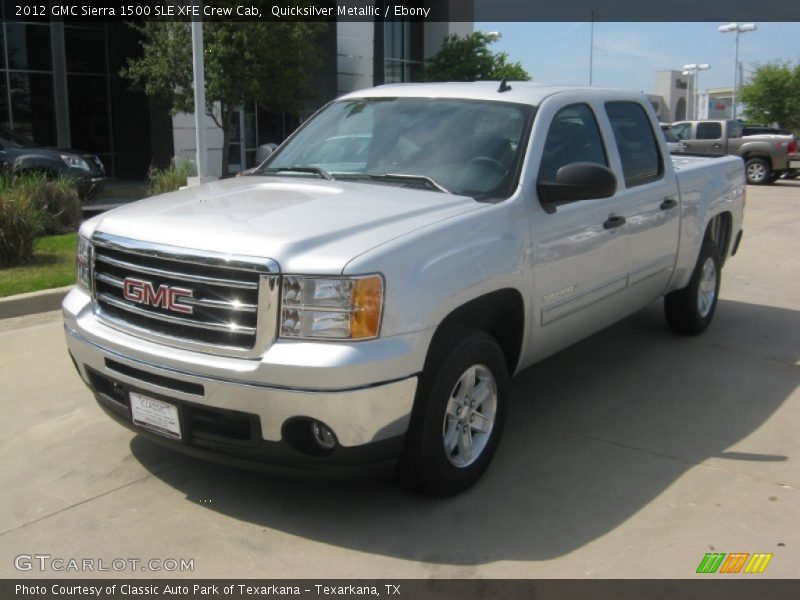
60 86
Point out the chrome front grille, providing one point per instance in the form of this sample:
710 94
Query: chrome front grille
212 302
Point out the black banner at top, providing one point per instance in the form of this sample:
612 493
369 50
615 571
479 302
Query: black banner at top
412 10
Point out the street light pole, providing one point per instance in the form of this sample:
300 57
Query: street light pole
736 28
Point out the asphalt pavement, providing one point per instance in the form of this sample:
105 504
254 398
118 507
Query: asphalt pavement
630 454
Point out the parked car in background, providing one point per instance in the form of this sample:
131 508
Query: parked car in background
673 143
766 157
19 154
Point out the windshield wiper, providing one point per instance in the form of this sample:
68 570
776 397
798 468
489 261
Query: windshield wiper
400 177
300 169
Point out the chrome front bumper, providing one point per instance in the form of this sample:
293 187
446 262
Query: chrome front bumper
375 406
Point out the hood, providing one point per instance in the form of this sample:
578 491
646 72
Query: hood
307 226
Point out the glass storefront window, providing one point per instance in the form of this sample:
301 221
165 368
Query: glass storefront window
88 113
85 50
5 120
28 47
33 106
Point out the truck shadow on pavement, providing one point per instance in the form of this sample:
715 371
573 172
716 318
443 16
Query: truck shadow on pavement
594 434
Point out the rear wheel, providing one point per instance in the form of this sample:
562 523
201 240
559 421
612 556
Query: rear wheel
758 171
690 310
458 415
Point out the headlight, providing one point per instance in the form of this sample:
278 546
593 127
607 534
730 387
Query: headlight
83 264
75 162
331 308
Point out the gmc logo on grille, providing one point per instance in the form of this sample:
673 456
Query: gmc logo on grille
163 296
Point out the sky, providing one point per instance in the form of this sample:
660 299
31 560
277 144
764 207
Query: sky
627 55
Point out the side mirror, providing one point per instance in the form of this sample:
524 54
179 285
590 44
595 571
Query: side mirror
577 181
264 151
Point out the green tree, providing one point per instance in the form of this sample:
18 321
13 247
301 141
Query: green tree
263 62
772 94
468 58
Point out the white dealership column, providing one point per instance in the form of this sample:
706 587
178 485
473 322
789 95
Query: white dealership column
199 77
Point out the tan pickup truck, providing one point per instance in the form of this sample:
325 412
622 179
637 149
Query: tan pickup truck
766 157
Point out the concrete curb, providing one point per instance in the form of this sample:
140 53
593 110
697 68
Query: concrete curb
32 302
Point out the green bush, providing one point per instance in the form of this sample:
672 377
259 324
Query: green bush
58 197
32 205
171 178
22 219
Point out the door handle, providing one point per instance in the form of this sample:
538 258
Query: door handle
669 203
716 145
613 222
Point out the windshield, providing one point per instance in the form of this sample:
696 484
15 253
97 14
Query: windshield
466 147
13 138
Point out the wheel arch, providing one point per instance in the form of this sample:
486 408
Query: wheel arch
719 229
500 313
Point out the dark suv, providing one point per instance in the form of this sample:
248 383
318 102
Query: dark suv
18 154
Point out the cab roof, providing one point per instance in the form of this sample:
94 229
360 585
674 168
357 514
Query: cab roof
521 92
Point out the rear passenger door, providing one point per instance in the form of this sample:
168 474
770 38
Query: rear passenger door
649 202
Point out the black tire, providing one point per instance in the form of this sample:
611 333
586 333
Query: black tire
683 307
425 465
758 171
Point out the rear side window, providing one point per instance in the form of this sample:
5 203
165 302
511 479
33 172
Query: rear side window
734 129
709 131
636 143
573 137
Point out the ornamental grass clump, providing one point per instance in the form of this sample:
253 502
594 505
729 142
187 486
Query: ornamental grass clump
170 179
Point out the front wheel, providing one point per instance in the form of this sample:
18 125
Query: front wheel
690 310
458 416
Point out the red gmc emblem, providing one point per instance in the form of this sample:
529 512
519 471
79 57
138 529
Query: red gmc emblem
164 296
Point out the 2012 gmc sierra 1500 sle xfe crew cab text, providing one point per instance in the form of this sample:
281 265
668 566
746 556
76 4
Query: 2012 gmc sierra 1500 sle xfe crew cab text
362 298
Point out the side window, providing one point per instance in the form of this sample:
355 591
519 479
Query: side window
682 131
735 129
573 137
709 131
636 142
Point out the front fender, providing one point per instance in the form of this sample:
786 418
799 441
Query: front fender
434 271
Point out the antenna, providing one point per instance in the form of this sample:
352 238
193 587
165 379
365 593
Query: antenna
504 87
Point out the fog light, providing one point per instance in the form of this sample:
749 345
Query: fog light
323 436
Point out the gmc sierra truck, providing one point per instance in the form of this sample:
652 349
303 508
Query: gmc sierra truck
361 299
766 157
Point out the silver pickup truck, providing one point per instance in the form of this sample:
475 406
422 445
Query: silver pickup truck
362 298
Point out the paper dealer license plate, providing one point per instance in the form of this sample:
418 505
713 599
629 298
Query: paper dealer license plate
155 415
